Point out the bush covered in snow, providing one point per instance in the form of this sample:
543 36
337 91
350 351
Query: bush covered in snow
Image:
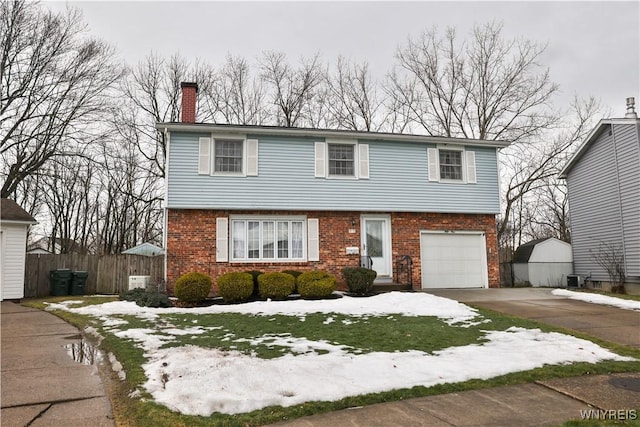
276 285
235 287
316 284
192 287
359 280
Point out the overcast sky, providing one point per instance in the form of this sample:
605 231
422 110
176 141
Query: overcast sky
593 47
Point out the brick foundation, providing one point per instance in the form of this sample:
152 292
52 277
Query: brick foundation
191 241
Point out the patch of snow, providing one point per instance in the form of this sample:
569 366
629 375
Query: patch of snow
598 299
295 344
398 303
177 376
117 367
328 321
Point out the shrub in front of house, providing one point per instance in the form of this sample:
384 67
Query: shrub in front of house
255 274
295 274
316 284
359 280
146 299
192 287
276 285
235 287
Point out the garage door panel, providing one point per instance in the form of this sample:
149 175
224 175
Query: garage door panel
453 260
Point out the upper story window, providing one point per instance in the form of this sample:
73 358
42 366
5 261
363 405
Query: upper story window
228 156
341 159
450 165
453 164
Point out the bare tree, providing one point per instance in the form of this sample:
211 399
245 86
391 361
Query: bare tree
531 168
53 87
354 102
291 89
610 257
70 197
487 88
235 97
153 94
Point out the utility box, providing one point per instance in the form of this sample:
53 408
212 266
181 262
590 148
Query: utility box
139 282
573 281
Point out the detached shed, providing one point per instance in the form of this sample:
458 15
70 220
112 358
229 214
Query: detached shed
14 223
543 262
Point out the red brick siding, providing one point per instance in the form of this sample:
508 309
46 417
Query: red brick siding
191 241
189 94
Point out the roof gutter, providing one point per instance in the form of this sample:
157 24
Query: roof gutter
326 133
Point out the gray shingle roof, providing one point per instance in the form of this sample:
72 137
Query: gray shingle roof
11 211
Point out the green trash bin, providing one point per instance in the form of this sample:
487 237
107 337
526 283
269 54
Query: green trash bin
60 280
78 281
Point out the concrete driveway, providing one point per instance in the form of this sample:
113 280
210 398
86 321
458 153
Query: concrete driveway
42 385
608 323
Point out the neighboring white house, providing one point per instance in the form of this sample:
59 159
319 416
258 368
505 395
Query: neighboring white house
543 262
14 223
146 249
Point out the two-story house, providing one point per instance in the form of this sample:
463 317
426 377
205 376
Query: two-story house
603 181
264 198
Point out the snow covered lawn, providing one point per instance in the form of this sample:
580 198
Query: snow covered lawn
239 358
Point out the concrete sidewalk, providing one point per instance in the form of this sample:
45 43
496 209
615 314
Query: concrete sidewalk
42 385
547 403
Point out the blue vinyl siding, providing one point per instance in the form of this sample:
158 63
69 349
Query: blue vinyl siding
398 180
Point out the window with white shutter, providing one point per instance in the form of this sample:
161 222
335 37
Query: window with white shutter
222 239
432 154
204 156
471 167
364 160
320 164
313 239
252 157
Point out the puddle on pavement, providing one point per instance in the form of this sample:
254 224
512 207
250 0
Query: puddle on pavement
83 351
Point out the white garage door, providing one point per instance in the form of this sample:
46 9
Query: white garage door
453 260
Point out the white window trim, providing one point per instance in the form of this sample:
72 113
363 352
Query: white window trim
232 137
356 158
464 165
305 238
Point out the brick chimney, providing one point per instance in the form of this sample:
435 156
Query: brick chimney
189 94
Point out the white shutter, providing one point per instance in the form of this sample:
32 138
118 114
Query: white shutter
364 160
222 239
471 167
252 157
434 173
313 240
320 160
204 156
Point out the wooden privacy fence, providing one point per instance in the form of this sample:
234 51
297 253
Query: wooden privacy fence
108 274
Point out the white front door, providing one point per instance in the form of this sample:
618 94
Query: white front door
376 242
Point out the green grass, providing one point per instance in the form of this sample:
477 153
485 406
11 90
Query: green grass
361 334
